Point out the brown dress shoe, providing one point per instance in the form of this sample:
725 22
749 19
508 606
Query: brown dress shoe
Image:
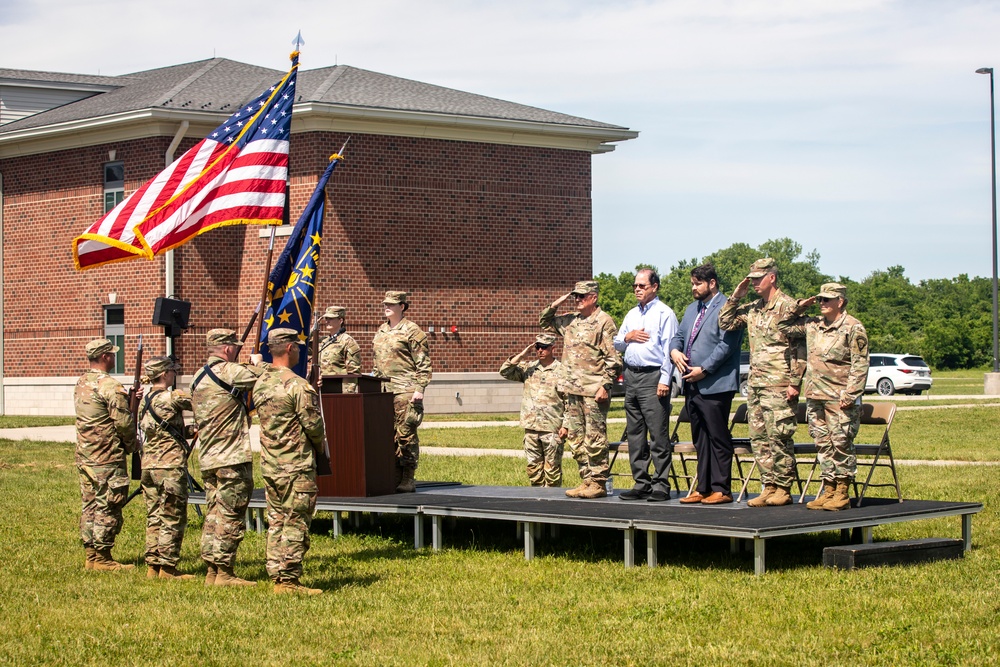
717 498
691 499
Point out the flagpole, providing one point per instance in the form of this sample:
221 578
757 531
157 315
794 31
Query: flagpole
267 274
262 304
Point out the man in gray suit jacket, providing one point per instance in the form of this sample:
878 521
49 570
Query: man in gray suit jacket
709 357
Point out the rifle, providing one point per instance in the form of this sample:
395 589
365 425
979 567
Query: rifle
193 484
315 379
133 407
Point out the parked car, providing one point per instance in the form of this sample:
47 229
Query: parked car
903 373
744 372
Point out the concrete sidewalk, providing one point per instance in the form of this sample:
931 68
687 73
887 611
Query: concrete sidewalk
68 434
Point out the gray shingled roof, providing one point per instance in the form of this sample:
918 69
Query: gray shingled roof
59 77
219 85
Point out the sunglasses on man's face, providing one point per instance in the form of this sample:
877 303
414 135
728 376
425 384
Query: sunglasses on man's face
539 346
825 299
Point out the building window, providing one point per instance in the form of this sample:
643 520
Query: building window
114 330
114 184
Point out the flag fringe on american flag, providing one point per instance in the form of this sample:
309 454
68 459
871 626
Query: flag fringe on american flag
236 175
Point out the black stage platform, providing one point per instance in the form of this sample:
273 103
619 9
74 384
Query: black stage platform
532 507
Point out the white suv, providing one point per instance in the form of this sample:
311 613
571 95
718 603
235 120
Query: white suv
905 373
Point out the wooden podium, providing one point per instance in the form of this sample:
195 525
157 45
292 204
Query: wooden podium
359 431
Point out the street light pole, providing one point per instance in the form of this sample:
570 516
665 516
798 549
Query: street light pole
993 157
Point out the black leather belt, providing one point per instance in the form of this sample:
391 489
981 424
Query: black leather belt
642 369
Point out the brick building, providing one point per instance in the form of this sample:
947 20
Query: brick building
479 207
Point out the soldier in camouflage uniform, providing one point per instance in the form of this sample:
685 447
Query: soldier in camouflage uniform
105 433
403 355
590 365
775 376
339 353
836 372
226 461
291 432
542 408
164 468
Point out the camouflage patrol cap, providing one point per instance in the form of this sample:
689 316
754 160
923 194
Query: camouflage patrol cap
222 337
762 267
393 298
281 336
545 339
335 311
833 291
585 287
99 346
157 366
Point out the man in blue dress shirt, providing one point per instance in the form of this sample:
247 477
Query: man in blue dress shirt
643 340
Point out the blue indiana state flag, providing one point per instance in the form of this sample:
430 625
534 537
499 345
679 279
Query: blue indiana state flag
291 286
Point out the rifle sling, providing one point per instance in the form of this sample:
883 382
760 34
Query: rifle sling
147 407
237 394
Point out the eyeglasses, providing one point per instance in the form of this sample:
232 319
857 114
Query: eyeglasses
580 297
640 286
539 346
825 299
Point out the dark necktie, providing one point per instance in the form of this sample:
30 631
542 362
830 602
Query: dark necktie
696 327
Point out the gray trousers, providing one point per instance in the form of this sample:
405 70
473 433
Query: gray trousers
647 413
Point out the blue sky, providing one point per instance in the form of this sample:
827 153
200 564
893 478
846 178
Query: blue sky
856 127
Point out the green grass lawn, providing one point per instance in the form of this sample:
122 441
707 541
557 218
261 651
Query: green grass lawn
23 421
479 602
961 434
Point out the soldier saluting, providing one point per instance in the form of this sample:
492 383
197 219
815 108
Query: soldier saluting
775 376
836 371
542 408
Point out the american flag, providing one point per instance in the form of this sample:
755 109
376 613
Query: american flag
234 176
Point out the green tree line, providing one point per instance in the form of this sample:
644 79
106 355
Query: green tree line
947 321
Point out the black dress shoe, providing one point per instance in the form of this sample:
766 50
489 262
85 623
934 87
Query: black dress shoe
634 494
658 496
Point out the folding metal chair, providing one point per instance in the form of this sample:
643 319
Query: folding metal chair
686 454
743 451
872 414
877 414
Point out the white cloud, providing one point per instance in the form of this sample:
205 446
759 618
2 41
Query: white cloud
865 114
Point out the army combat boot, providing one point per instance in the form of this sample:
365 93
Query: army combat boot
105 563
407 483
88 564
761 500
293 586
575 492
825 494
225 576
840 499
210 575
152 571
593 490
170 572
780 496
